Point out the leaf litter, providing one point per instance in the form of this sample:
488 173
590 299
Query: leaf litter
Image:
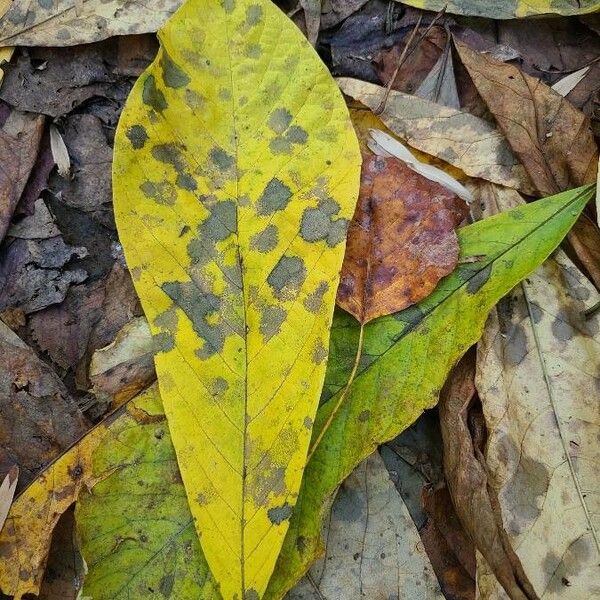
87 331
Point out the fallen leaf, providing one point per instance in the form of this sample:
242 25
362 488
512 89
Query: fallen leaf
440 84
565 85
312 18
387 394
63 85
507 10
7 492
457 137
72 22
552 138
462 432
39 225
32 273
135 53
584 239
126 366
20 137
60 154
536 377
401 241
333 12
38 417
373 549
239 293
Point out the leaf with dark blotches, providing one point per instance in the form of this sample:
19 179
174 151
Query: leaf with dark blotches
236 173
401 241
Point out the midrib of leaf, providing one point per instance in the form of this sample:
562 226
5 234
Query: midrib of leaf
559 425
464 282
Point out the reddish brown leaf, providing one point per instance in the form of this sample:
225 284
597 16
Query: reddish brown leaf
401 241
550 136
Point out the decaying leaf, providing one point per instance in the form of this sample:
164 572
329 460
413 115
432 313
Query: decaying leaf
463 435
126 366
584 238
38 417
71 22
312 18
235 238
551 137
401 241
373 548
7 492
537 377
503 9
387 394
457 137
20 137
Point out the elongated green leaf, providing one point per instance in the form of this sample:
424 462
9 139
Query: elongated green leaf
508 9
235 174
408 355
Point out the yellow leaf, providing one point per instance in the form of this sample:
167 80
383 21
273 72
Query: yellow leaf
236 172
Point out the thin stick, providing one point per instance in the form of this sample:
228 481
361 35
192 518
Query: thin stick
342 395
405 54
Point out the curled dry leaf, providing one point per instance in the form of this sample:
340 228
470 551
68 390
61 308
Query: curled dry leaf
60 154
550 136
373 549
71 22
20 137
537 377
235 237
38 417
401 241
465 471
457 137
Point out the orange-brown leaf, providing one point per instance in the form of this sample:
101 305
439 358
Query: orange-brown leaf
401 241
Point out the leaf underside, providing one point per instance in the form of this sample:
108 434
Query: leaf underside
235 175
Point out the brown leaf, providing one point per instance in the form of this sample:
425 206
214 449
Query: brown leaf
19 143
463 433
38 418
551 137
584 239
401 241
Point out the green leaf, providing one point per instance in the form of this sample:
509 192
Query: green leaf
407 357
236 172
406 360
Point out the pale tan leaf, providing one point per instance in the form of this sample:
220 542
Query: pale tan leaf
537 377
7 493
60 154
457 137
566 84
373 546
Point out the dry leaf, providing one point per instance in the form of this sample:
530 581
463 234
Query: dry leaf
551 137
401 240
373 549
457 137
440 84
7 492
60 154
19 143
566 84
537 377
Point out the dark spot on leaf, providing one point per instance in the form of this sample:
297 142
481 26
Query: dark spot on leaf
254 14
221 159
163 342
76 472
515 348
186 182
229 5
251 594
272 318
308 422
220 224
162 192
275 196
561 328
170 154
478 280
279 514
364 416
287 277
137 136
280 120
173 75
265 240
152 96
314 301
166 585
319 353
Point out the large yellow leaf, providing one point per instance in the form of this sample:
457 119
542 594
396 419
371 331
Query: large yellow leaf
236 171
